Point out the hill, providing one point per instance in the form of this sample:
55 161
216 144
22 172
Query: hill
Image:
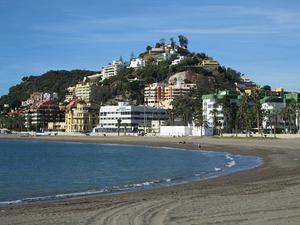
130 83
51 81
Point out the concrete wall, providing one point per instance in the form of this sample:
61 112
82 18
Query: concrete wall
185 131
175 131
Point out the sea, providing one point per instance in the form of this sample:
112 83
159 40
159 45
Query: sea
41 171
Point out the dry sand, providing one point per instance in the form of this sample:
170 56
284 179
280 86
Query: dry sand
266 195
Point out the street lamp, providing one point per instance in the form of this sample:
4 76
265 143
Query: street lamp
119 124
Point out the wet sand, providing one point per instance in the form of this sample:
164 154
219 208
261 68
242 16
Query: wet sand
266 195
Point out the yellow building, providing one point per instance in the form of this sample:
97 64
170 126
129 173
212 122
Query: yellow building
210 62
81 116
248 92
57 126
279 91
86 90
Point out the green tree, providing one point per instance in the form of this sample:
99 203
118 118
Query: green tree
173 43
216 124
183 41
255 97
245 115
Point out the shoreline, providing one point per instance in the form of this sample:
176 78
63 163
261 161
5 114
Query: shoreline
275 154
144 186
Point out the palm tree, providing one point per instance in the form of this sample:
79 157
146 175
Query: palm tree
295 115
284 115
257 110
243 113
198 118
215 113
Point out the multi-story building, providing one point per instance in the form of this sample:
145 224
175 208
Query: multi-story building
112 69
160 54
57 126
39 115
178 60
35 97
294 97
161 95
86 90
131 119
246 85
154 94
210 64
272 106
137 63
172 91
213 109
81 116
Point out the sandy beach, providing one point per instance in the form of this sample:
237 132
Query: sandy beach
266 195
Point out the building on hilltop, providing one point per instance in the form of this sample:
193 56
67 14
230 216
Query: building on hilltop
154 94
245 85
86 90
162 95
35 97
177 60
130 119
112 69
210 64
173 91
160 54
137 63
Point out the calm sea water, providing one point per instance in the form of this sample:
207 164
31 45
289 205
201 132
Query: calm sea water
31 171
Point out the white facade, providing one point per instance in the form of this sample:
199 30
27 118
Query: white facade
131 118
175 131
274 109
178 60
212 108
137 63
185 131
38 96
112 69
209 106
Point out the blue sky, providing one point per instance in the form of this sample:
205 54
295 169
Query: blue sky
258 38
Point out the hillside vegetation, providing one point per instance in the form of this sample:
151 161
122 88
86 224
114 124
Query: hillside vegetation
52 81
129 84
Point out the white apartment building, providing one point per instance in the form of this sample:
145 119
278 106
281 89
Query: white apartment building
137 63
35 97
112 69
212 108
127 118
272 106
178 60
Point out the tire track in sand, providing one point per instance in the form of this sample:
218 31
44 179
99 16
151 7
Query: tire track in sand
146 212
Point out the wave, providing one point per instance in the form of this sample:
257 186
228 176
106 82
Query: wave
112 190
232 162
